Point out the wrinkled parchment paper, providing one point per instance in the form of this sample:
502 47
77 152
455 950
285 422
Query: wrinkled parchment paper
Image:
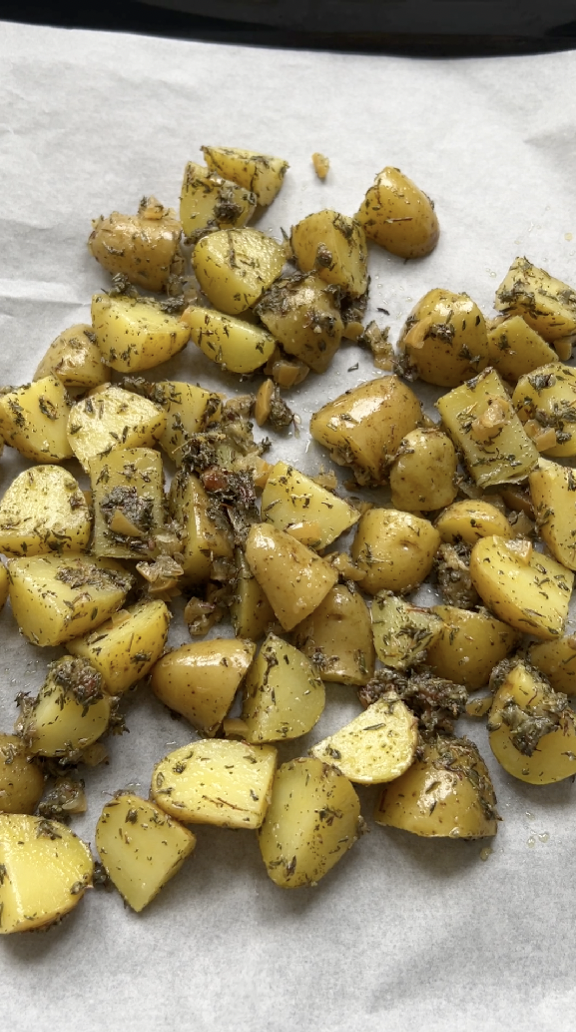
404 933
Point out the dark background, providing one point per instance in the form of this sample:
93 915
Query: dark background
339 33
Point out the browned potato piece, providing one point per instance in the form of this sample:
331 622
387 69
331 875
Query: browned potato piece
21 780
333 245
423 474
200 680
395 550
302 316
469 646
470 519
398 216
447 792
235 266
207 201
363 428
444 340
545 401
338 637
260 173
75 359
515 349
532 729
142 247
547 304
557 661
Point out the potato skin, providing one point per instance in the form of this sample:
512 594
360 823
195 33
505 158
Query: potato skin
444 340
21 780
397 215
142 247
395 550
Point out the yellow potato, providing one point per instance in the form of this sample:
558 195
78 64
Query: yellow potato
470 519
337 636
260 173
444 340
377 746
250 611
394 549
44 510
334 246
111 417
206 537
233 344
70 712
469 646
283 695
128 501
34 419
398 216
142 247
21 779
403 633
552 489
235 266
515 349
302 315
557 661
423 473
547 304
75 359
136 333
296 503
207 201
545 400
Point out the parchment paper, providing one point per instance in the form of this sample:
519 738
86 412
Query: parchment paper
404 933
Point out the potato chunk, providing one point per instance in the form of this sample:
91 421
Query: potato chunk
470 519
545 401
515 349
283 695
207 538
557 661
445 340
136 333
70 712
377 746
302 315
395 550
75 359
141 848
423 473
235 266
250 610
296 503
260 173
528 590
402 632
45 871
111 418
142 247
547 304
231 343
208 202
469 646
125 648
334 246
312 820
397 215
216 782
128 500
552 489
21 779
337 636
34 419
44 510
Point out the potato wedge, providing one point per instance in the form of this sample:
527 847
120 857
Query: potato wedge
142 247
233 344
552 489
43 510
377 746
445 341
470 519
403 633
128 500
302 315
557 661
547 304
235 266
469 646
34 420
396 214
334 246
206 537
70 712
75 359
515 349
136 333
294 502
394 549
337 636
208 201
21 779
260 173
545 401
250 611
110 418
283 695
423 473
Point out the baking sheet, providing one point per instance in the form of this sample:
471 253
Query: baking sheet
404 933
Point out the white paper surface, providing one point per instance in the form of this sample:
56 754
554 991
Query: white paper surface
404 933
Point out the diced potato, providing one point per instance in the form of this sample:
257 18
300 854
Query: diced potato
402 632
515 349
470 519
447 792
4 585
21 779
337 636
528 590
233 344
294 579
296 503
283 695
545 401
444 340
142 247
70 712
200 680
128 499
208 202
302 315
126 647
557 661
394 549
136 333
189 408
482 423
34 418
250 611
469 646
334 246
547 304
423 473
363 428
552 489
399 216
312 820
45 871
377 746
216 781
260 173
44 510
235 266
141 848
75 359
113 417
206 539
532 729
55 598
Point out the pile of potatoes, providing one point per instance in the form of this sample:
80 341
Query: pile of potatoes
479 505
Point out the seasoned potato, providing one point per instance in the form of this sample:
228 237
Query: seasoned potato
444 340
142 247
125 648
70 712
296 503
141 848
483 424
363 428
546 304
552 490
216 782
56 598
75 359
114 416
377 746
294 579
128 500
235 266
515 349
300 312
21 779
470 519
44 510
46 870
233 344
398 216
34 419
136 333
4 585
260 173
312 820
557 661
532 729
394 549
528 590
283 695
402 632
545 401
334 246
205 538
200 680
189 409
469 646
423 473
250 611
208 202
337 636
447 792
